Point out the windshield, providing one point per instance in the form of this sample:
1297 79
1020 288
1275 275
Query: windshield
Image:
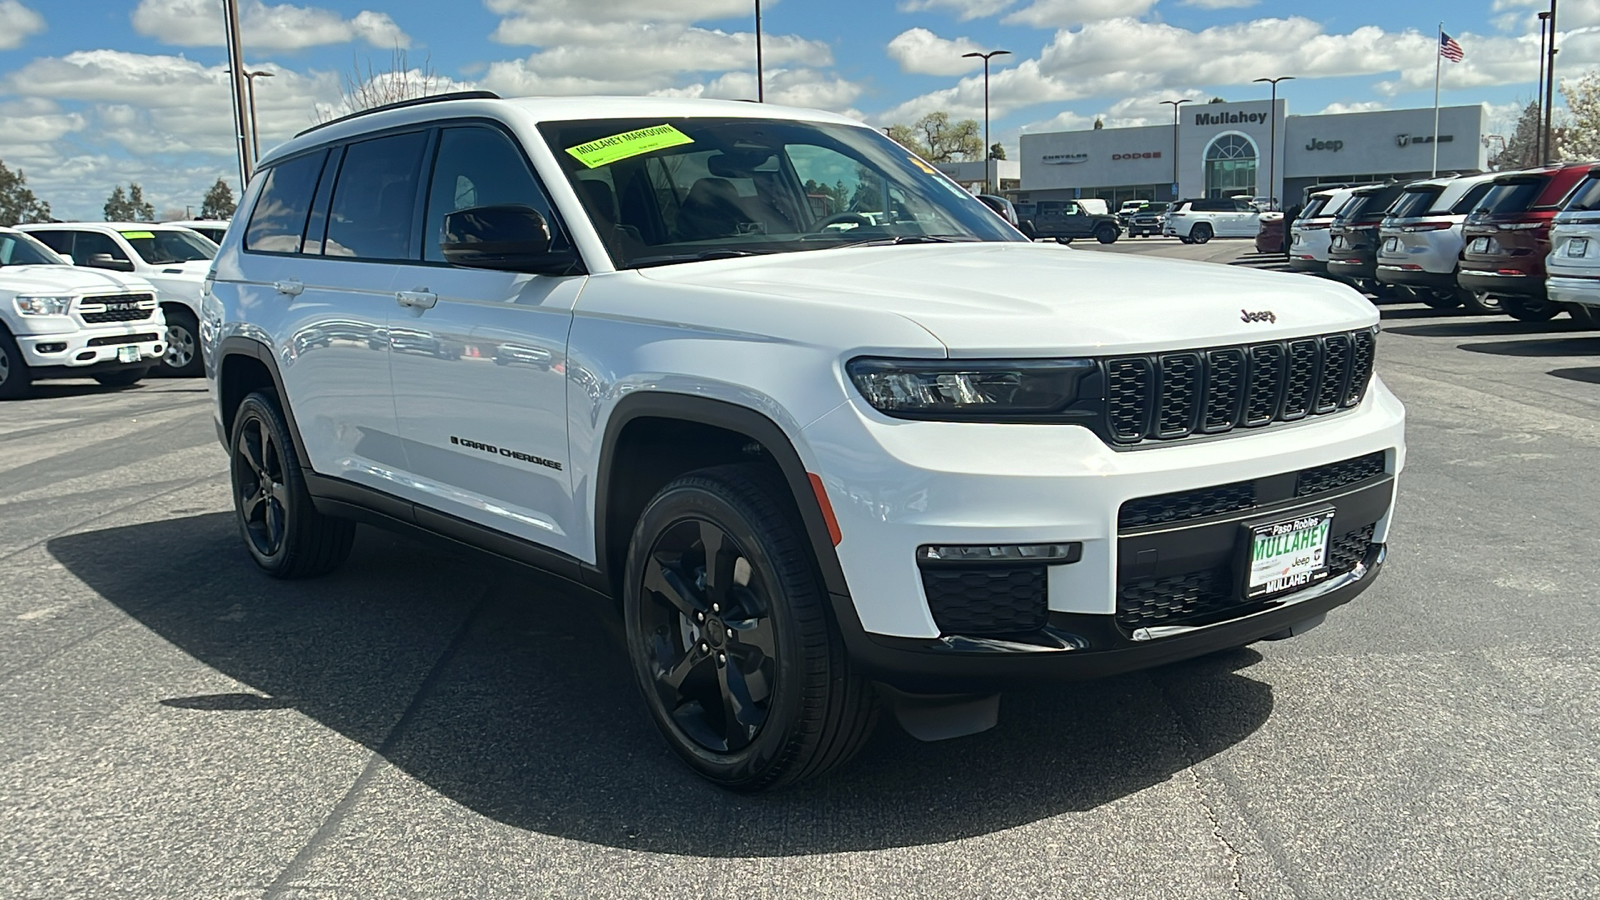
1314 206
1511 197
1415 202
703 188
159 248
17 249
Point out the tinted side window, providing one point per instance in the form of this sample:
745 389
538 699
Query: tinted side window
374 198
480 166
91 242
279 219
1586 196
1471 200
59 241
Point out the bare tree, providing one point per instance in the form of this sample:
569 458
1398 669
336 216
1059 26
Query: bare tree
367 86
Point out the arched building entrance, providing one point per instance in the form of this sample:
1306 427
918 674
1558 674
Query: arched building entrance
1231 166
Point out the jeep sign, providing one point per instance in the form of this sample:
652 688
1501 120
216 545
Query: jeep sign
1334 146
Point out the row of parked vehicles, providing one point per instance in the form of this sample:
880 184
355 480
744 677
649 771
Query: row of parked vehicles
1526 243
104 300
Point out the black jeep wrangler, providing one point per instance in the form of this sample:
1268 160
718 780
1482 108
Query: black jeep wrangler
1065 220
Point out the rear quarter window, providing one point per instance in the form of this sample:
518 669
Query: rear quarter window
278 222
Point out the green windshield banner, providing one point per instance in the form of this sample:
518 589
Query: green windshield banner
135 235
608 150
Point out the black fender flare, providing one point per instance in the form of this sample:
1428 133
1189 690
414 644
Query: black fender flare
254 349
730 417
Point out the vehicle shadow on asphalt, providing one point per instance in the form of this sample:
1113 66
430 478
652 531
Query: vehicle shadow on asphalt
1580 344
510 695
1490 328
1588 375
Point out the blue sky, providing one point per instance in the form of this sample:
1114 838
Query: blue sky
99 92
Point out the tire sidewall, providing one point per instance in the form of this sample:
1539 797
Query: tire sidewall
1200 234
185 321
17 379
256 407
691 502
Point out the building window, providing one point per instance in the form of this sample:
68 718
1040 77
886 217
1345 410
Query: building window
1231 167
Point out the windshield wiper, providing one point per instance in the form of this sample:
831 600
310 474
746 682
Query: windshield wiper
725 253
905 239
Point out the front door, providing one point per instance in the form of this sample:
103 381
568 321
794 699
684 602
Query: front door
479 359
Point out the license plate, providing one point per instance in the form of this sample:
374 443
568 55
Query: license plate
1288 555
1479 245
1577 246
1391 245
128 354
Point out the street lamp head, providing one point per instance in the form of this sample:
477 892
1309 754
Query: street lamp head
985 56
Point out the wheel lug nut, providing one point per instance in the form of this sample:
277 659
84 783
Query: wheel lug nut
715 608
699 616
704 646
730 634
722 659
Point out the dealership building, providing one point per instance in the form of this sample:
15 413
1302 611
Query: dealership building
1227 149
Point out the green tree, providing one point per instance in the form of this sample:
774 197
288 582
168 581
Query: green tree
1522 148
997 151
218 202
129 205
1099 123
1216 100
18 205
936 140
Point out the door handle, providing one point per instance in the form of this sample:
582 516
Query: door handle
290 287
416 299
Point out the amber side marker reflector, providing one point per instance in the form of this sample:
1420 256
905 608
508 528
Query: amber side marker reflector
827 508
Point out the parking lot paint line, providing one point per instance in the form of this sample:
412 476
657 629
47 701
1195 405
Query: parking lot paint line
285 882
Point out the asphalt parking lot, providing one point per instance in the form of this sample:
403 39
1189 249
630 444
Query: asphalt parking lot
428 723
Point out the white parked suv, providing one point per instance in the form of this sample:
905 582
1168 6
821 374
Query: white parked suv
1309 236
822 470
1572 269
1198 221
1419 244
172 258
57 321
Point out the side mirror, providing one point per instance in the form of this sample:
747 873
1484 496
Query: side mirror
510 238
107 261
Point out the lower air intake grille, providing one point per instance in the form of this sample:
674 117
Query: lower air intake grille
1336 475
118 340
977 601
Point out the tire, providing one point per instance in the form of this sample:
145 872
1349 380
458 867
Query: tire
1105 234
182 357
1063 240
1438 299
15 379
1586 316
1186 240
701 661
1529 309
1201 233
123 377
282 530
1480 303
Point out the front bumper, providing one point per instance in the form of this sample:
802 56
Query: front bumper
1576 290
1519 284
78 352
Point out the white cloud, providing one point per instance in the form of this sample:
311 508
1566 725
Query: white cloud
17 22
1221 4
925 53
1066 13
282 26
680 11
966 10
1359 106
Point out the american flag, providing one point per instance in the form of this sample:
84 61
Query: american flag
1449 49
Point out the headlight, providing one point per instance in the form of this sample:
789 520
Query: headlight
969 389
43 306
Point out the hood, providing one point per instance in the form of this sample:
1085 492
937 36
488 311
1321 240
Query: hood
65 279
1044 300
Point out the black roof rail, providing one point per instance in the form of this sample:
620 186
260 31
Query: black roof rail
402 104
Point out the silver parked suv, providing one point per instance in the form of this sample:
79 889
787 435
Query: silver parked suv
1419 244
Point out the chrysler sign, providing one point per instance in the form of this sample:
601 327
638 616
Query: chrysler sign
1064 159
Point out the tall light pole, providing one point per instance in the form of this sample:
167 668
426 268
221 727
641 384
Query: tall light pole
255 134
761 87
1272 154
1550 91
986 57
241 127
1175 104
1538 140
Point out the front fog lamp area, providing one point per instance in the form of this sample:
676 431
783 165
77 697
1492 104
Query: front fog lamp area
1046 554
43 306
969 389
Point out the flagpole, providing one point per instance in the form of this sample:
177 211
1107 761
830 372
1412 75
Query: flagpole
1438 53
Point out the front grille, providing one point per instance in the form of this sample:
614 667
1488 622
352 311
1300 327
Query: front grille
1213 595
118 340
978 601
1171 396
1337 475
122 315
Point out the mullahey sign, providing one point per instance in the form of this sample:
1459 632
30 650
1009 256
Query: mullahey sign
1228 118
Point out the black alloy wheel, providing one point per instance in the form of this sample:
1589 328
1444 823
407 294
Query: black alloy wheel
14 376
1200 234
1437 299
729 635
282 529
182 357
1105 234
1529 309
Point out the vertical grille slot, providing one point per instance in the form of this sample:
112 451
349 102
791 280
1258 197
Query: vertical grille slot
1266 384
1181 383
1130 391
1335 372
1362 352
1300 385
1224 389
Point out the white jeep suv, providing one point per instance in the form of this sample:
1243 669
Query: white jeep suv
60 322
823 470
173 258
1198 221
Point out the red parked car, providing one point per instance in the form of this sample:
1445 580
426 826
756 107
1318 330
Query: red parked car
1269 235
1507 239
